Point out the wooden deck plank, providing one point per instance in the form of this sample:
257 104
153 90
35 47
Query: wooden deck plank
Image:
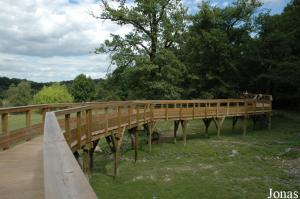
21 171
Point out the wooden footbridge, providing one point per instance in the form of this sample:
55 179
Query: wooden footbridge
37 163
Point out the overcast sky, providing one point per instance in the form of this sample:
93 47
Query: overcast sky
54 40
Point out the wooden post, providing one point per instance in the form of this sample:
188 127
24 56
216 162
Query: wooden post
194 110
86 162
219 123
137 116
166 111
44 110
207 122
28 118
180 111
28 123
78 127
234 121
67 129
269 120
254 119
106 119
89 118
184 125
129 116
4 120
176 125
117 141
245 124
91 154
136 144
150 131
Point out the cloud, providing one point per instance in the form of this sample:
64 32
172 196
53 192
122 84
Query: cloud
51 28
45 69
44 40
272 1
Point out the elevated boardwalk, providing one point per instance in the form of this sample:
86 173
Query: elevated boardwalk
45 166
21 171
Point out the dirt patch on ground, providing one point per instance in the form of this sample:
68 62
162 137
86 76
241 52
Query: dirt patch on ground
294 169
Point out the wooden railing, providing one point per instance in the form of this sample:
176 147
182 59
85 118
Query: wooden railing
72 127
88 123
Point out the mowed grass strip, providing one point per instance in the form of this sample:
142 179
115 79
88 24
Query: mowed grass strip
232 166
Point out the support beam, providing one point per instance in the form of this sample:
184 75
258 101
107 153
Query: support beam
176 125
150 131
134 141
234 121
254 120
245 124
269 116
91 154
219 123
206 122
86 162
117 139
184 126
136 144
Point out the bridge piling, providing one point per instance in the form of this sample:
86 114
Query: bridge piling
206 122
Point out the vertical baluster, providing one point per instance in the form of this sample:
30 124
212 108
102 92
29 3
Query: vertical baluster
119 119
106 119
78 127
28 123
166 111
194 110
4 120
129 115
145 108
67 129
137 115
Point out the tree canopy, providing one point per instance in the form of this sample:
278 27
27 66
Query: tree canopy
216 52
19 95
55 93
83 88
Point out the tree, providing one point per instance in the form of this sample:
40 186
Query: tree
83 88
55 93
19 95
157 27
215 48
280 55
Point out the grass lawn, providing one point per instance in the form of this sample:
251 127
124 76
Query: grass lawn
232 166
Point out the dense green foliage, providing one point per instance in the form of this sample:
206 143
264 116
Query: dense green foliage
216 52
55 93
19 95
83 88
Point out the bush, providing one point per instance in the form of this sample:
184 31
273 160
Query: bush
19 95
55 93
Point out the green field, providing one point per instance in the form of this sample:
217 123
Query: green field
17 121
232 166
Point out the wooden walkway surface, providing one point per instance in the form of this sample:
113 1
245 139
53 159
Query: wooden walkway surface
21 171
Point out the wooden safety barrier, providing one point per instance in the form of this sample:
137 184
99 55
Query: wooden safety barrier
73 127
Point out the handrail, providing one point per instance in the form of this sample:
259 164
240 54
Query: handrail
63 177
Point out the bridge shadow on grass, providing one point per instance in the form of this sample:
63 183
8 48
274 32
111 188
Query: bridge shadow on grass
101 162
